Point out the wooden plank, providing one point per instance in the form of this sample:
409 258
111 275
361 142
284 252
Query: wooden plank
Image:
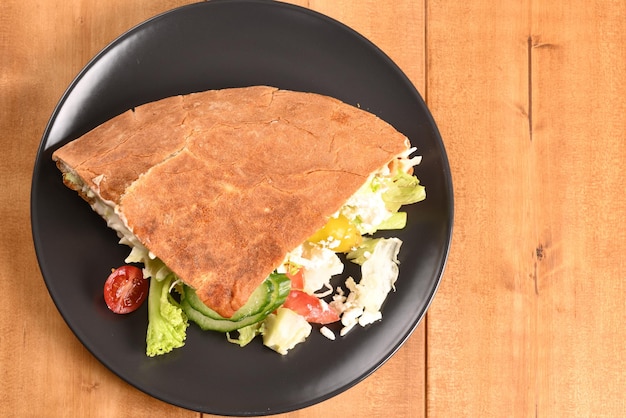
579 139
530 318
481 326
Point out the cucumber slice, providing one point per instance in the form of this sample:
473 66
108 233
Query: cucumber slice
259 298
264 300
222 325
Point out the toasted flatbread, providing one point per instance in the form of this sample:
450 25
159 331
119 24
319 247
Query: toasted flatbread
221 185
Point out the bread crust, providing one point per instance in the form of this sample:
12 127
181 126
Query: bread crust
221 184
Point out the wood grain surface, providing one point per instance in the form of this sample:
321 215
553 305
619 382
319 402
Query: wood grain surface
529 321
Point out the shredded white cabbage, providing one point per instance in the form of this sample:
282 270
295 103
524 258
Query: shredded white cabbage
284 330
320 265
364 301
368 207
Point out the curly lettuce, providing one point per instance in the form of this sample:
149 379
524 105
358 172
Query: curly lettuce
167 323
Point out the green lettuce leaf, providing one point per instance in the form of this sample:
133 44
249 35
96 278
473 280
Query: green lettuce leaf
395 221
246 334
167 323
403 189
364 251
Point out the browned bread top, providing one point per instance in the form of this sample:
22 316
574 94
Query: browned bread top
220 185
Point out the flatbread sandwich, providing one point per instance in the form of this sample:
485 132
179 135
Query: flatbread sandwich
218 188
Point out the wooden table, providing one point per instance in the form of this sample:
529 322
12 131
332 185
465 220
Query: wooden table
530 318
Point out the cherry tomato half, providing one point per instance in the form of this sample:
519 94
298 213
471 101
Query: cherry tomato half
125 289
310 307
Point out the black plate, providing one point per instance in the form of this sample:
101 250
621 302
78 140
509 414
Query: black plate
213 45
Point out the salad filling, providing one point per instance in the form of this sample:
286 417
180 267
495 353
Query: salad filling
299 293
